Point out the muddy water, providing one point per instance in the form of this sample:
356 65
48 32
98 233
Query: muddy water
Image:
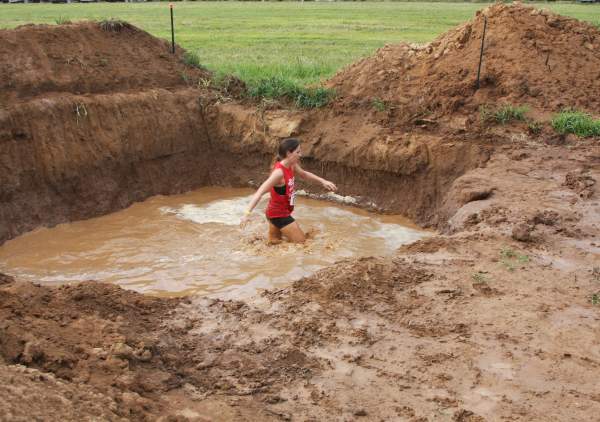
192 243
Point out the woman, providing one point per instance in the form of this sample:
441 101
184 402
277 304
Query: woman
281 186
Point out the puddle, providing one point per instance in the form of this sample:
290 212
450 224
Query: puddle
192 244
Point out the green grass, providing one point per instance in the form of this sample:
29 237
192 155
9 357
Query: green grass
281 87
61 20
379 104
509 113
480 277
191 59
503 114
577 122
302 42
510 258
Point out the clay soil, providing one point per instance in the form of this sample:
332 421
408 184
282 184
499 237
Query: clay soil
493 318
531 57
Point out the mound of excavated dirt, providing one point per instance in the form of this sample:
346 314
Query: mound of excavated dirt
84 58
531 57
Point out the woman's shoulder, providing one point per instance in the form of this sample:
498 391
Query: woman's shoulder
279 165
277 170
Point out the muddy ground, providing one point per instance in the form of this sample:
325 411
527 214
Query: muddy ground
473 325
494 318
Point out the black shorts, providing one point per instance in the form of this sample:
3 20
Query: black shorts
281 222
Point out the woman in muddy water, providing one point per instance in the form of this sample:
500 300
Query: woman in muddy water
280 184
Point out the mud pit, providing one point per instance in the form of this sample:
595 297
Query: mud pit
495 319
192 244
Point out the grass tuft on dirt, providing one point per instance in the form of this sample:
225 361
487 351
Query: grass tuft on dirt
510 113
534 127
379 104
61 20
503 114
277 87
192 59
511 259
113 25
576 122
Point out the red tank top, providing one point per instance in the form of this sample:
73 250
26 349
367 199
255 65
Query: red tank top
282 205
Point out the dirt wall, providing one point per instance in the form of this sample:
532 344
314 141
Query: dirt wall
93 116
60 165
409 176
74 157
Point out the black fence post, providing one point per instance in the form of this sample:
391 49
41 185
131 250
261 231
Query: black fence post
481 52
172 30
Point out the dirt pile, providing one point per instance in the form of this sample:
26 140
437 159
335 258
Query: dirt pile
532 57
81 336
86 58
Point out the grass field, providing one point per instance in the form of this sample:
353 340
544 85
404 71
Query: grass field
303 42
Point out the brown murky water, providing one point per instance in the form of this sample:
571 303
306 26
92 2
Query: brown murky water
192 243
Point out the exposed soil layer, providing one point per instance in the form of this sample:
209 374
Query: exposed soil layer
495 320
366 161
62 167
531 57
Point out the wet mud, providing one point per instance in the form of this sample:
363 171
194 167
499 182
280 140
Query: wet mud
192 244
493 319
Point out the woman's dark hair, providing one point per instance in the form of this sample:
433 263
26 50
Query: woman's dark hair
285 146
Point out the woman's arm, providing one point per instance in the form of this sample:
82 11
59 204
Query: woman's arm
275 177
307 175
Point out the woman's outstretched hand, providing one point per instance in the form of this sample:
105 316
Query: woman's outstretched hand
244 221
329 186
